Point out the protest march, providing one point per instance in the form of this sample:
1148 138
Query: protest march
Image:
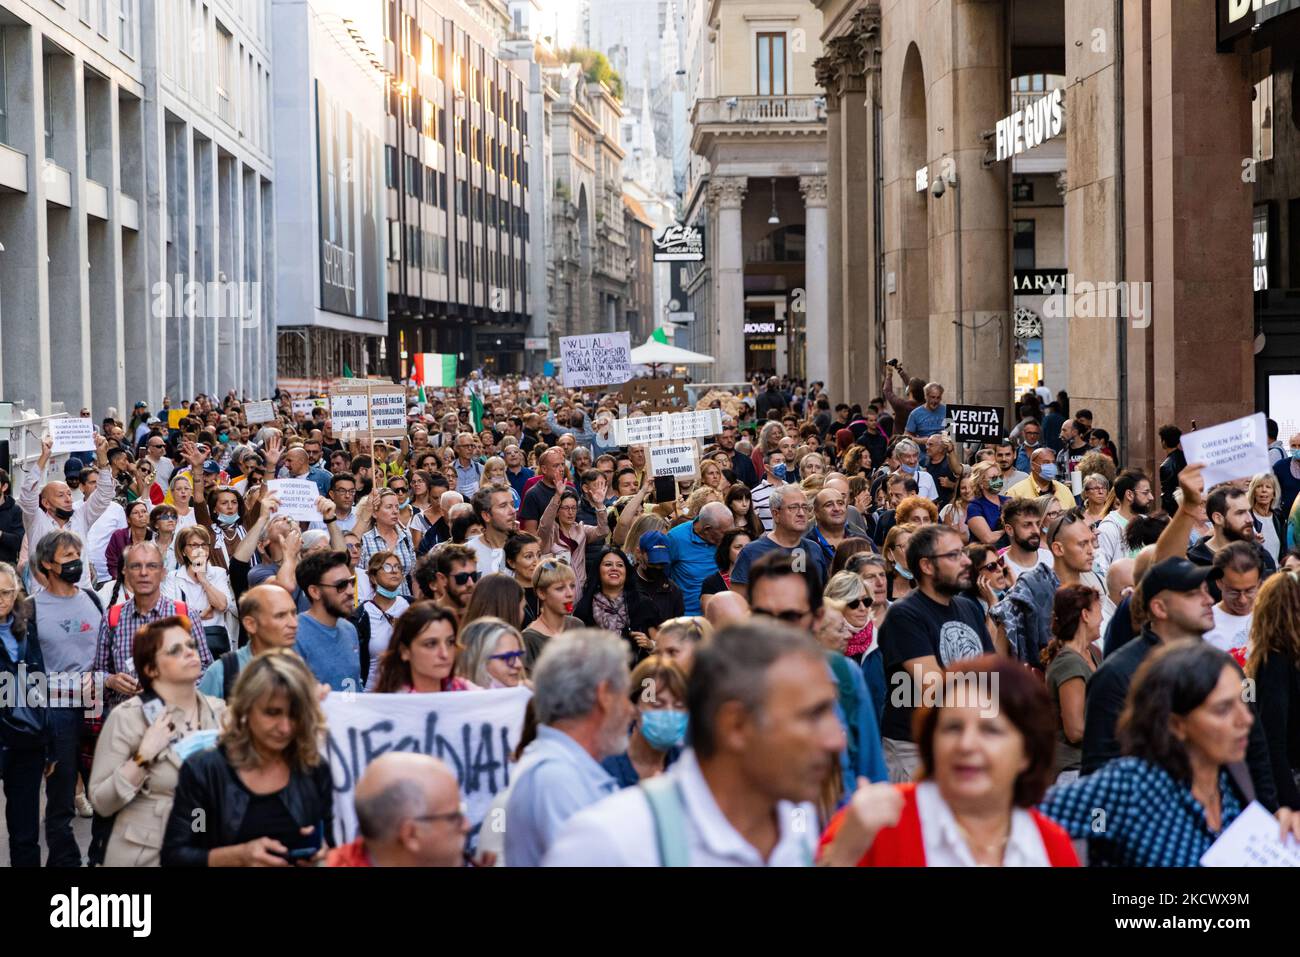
495 627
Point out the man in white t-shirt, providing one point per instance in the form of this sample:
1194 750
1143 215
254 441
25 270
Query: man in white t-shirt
1242 572
1022 520
493 506
764 737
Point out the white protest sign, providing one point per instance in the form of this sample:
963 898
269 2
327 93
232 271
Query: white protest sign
1252 840
262 411
305 406
603 359
388 411
1230 450
297 498
72 435
524 385
494 388
668 427
474 732
348 412
675 460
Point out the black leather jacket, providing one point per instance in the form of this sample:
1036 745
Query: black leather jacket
209 783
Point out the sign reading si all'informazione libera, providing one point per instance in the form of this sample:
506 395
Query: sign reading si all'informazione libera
668 427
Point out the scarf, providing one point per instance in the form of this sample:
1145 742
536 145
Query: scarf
610 614
862 642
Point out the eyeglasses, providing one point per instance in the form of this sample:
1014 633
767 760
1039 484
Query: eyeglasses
794 508
790 616
338 585
344 491
143 566
509 657
8 592
390 567
994 566
460 578
946 555
457 815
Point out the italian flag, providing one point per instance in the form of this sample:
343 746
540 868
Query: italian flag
661 335
433 370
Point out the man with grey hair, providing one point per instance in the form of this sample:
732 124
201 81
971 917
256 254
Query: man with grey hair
764 738
409 814
580 698
791 513
48 506
693 548
908 454
927 419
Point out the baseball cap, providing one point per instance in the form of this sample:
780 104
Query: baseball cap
73 466
211 467
154 420
655 546
142 404
1176 574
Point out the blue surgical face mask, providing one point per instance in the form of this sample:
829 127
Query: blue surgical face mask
223 438
663 729
387 592
228 519
1048 472
779 471
909 469
995 485
1295 454
903 573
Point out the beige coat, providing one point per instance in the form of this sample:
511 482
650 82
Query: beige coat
140 797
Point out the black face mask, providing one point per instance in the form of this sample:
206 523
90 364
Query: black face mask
63 514
70 572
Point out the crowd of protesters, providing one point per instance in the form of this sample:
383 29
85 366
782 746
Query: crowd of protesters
757 668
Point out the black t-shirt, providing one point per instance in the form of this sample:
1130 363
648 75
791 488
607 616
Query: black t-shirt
661 601
535 501
713 585
917 626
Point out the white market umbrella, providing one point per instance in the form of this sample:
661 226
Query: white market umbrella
655 353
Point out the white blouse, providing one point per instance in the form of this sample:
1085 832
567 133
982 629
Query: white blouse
946 847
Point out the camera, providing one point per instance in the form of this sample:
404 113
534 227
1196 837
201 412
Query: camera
893 362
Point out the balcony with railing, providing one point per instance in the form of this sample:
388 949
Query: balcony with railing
760 110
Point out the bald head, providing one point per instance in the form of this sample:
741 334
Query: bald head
716 515
1119 577
56 495
726 608
449 499
397 790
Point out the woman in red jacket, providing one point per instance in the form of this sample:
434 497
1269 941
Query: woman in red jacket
987 738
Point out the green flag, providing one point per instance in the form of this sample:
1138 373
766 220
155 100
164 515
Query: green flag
661 335
476 411
347 372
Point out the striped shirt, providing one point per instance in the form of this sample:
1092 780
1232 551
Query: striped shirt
372 542
115 647
761 498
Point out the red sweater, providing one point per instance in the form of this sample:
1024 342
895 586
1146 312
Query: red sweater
903 846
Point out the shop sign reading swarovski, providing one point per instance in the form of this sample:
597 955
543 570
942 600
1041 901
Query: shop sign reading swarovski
1239 17
1033 126
679 243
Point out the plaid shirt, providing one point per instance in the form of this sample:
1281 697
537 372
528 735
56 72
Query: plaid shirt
115 649
372 542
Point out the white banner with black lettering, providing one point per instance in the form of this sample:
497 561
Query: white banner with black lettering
474 732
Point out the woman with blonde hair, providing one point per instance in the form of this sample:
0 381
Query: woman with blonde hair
698 498
265 790
1097 500
1263 495
811 464
494 473
984 509
203 586
557 591
712 477
899 578
679 638
954 513
1273 662
1097 462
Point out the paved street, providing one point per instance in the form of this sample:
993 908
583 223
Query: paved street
80 827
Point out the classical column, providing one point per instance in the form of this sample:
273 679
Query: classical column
727 193
816 324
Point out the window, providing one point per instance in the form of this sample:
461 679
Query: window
103 24
390 167
49 106
85 11
225 51
1023 244
771 64
126 26
426 53
1261 110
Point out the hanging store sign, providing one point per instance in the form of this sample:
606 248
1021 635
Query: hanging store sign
679 243
1239 17
1031 127
766 327
1039 282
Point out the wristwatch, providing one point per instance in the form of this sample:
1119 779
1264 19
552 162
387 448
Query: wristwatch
329 521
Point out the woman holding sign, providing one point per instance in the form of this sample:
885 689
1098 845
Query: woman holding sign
1183 780
389 535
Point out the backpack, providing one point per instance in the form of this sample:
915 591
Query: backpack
229 671
115 617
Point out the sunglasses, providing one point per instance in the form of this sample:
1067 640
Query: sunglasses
994 566
460 578
863 602
790 617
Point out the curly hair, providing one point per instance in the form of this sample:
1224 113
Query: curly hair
1273 628
913 502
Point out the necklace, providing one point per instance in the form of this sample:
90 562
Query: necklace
988 848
